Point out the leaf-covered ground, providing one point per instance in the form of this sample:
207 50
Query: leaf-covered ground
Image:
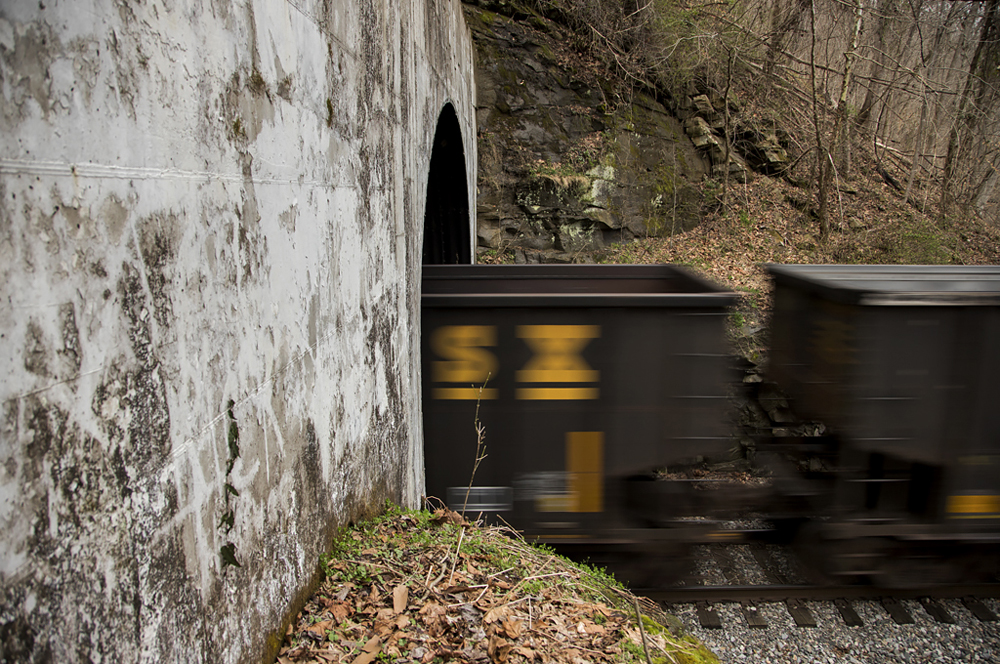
769 220
421 587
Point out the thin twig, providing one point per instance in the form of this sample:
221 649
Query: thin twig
545 576
640 9
509 529
454 561
642 630
518 601
481 594
840 196
437 580
499 573
484 587
671 657
574 646
394 570
480 443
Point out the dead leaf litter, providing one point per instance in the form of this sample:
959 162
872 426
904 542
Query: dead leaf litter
423 587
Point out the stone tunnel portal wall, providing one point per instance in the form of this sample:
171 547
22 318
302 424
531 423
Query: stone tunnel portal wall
211 219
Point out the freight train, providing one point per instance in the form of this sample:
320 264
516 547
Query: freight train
559 398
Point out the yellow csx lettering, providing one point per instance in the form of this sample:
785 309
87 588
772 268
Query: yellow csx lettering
557 359
465 361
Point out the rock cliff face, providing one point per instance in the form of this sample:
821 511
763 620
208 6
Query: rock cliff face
567 166
575 156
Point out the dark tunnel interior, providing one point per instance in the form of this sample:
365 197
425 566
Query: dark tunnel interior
446 217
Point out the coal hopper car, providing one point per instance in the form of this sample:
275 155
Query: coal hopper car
571 384
901 363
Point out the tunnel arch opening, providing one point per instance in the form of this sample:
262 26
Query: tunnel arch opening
446 215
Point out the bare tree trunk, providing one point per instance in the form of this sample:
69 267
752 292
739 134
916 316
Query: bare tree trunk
918 147
971 103
827 166
884 9
726 129
983 199
784 20
819 171
844 154
919 141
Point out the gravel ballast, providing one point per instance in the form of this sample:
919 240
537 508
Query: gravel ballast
878 641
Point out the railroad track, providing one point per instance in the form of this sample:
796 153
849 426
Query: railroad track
754 574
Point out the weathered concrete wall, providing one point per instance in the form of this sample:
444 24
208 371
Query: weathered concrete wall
210 239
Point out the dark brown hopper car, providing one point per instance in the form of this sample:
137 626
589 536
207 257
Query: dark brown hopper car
584 376
902 364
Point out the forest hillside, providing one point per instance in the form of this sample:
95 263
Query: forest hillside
728 134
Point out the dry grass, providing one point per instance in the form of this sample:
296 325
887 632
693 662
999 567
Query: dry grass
421 587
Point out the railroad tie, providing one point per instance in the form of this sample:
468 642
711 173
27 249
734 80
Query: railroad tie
979 609
936 611
847 612
767 565
752 615
707 616
726 565
897 611
800 613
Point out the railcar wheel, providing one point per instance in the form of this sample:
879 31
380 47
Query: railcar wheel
910 566
839 561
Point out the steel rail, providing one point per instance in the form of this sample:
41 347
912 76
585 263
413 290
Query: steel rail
777 593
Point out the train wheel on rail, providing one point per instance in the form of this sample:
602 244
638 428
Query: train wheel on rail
839 561
917 564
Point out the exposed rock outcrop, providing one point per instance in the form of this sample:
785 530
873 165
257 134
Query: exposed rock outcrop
566 165
575 156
